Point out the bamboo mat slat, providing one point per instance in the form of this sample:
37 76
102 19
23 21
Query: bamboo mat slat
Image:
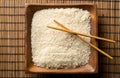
12 23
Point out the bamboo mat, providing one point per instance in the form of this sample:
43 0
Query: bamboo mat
12 23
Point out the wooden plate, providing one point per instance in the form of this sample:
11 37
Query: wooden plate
91 67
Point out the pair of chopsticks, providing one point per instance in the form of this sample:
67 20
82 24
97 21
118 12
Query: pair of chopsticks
65 29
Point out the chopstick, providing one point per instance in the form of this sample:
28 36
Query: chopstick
70 31
104 53
100 38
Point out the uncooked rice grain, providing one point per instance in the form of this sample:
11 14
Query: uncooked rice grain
57 49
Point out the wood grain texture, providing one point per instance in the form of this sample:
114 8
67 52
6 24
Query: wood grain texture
12 13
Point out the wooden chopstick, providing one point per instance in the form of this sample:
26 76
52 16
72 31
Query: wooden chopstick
70 31
100 38
61 29
104 53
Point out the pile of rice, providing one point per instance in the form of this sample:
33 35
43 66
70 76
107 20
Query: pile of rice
56 49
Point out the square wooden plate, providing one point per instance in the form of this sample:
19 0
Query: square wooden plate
91 67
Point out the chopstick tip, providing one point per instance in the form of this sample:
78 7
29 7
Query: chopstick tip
114 41
48 26
111 58
54 20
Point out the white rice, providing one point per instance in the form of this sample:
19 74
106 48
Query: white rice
56 49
